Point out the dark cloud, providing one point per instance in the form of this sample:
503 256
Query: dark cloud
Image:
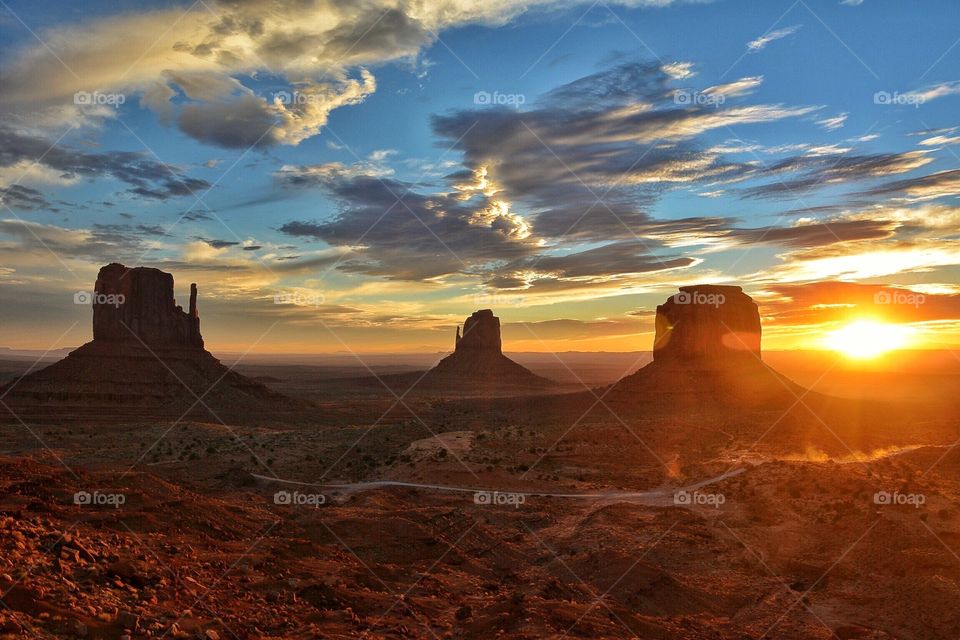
591 157
217 244
934 185
145 176
401 234
815 235
616 258
235 124
23 198
823 170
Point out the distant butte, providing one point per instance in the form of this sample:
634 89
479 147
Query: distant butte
478 360
146 361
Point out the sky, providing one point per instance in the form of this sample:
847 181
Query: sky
361 176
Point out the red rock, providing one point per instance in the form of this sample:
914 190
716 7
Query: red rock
138 305
707 326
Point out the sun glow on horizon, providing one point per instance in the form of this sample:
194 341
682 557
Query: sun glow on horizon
864 339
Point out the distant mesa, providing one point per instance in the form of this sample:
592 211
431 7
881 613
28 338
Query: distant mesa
707 349
146 361
478 361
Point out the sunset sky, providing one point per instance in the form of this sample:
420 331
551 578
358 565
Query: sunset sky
384 168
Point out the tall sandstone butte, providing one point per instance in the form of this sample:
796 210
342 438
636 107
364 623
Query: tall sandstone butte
707 326
707 351
146 361
137 304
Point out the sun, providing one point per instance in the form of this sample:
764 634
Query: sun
865 339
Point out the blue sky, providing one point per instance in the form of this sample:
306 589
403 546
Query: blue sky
783 146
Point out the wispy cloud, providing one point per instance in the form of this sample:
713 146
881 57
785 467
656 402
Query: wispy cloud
836 122
770 36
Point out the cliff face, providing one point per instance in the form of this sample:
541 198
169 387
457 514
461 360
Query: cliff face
707 352
146 362
481 334
133 305
707 326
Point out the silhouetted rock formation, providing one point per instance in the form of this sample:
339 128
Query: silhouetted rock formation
481 334
137 305
707 326
707 349
478 361
146 361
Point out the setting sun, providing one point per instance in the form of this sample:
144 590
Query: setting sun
867 338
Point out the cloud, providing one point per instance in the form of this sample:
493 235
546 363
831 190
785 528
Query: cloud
187 66
822 302
144 176
99 244
589 157
395 232
834 123
928 187
19 197
830 168
678 70
770 36
936 91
